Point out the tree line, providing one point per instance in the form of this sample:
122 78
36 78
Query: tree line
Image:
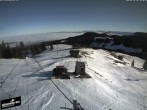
20 50
11 52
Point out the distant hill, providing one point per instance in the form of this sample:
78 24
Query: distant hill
130 42
136 40
84 39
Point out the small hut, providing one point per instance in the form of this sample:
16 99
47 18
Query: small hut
80 68
75 53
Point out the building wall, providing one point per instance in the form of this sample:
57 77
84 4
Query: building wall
80 68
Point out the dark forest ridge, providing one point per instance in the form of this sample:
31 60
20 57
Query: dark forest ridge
135 43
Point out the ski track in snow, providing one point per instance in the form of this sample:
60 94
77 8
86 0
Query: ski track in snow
46 101
107 89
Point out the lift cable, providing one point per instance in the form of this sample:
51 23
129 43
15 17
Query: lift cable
54 83
18 80
7 78
9 73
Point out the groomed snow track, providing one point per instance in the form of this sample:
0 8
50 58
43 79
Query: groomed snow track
106 89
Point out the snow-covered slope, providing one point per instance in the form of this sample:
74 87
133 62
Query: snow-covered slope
113 85
116 47
119 33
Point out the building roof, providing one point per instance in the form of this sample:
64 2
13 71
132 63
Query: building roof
80 63
74 50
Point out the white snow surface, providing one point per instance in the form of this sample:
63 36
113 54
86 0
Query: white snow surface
117 47
112 85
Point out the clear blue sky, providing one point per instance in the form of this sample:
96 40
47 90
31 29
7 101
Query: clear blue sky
41 16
